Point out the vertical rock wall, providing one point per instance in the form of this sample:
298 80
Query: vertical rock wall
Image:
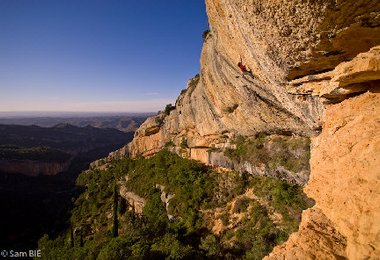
345 167
345 172
278 40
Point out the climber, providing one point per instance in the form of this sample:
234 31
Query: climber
244 69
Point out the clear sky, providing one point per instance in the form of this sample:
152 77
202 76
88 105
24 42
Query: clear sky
97 55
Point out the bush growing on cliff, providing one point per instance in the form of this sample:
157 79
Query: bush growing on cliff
212 246
193 83
241 205
183 143
213 149
292 153
168 109
287 199
231 109
169 144
183 91
205 34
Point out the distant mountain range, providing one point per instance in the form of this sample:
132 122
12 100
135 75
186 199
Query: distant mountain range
39 165
34 150
126 122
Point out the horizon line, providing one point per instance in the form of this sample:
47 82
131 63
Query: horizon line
31 114
68 111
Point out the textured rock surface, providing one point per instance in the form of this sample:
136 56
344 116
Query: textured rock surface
345 172
348 78
345 183
316 239
304 44
133 200
295 38
278 40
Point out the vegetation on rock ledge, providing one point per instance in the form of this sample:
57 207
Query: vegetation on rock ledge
290 152
201 197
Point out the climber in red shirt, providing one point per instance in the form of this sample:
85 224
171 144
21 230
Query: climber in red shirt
244 69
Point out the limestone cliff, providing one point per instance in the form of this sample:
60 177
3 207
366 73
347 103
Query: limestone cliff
278 40
345 184
346 173
312 67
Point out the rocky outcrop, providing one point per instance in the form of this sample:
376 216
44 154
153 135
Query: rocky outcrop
134 200
219 159
165 198
347 79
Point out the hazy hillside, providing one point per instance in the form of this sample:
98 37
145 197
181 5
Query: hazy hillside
38 167
65 137
122 122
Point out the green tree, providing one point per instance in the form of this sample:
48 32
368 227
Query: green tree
204 34
183 144
168 108
211 245
115 229
117 248
71 235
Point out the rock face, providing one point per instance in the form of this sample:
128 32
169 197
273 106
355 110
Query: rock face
345 175
345 183
347 79
133 200
345 167
312 66
316 239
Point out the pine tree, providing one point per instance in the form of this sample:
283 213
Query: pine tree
115 229
81 243
71 235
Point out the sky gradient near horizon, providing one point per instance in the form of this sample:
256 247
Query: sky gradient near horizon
97 55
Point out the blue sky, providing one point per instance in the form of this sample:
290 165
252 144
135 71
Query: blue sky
97 55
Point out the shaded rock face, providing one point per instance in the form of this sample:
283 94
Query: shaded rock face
165 198
33 168
219 159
